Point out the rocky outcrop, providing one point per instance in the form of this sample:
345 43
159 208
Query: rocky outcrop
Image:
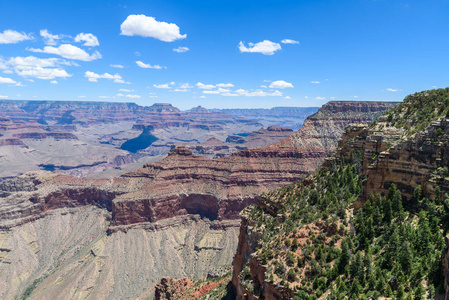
405 147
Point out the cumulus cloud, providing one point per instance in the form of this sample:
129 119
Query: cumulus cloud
289 41
186 86
53 82
181 49
82 96
148 66
287 97
145 26
116 66
203 96
280 84
133 96
13 37
89 39
211 92
162 86
50 39
265 47
104 97
257 93
124 90
6 80
4 97
69 51
393 90
230 94
320 98
41 68
93 77
225 85
181 90
205 86
315 82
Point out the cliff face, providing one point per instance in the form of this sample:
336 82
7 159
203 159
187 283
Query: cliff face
184 183
185 194
402 153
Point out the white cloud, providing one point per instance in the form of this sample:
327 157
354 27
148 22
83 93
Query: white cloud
225 85
153 96
180 90
393 90
116 66
104 97
186 86
148 66
266 47
7 80
124 90
280 84
203 96
133 96
211 92
320 98
332 98
287 97
69 51
257 93
289 41
162 86
53 82
41 68
306 97
356 97
89 39
230 94
82 96
263 86
181 49
13 37
3 97
205 86
315 82
8 71
93 77
50 39
145 26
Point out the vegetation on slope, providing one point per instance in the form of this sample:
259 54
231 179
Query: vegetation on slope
312 244
418 110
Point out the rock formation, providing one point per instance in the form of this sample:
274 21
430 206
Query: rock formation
403 151
177 217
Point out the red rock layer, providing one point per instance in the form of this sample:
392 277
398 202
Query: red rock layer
184 183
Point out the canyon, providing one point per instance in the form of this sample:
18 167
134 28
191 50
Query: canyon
176 217
108 139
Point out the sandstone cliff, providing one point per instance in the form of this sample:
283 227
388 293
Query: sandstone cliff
190 201
399 158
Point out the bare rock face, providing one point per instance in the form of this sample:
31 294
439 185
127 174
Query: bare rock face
67 255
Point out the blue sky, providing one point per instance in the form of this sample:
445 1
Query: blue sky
229 53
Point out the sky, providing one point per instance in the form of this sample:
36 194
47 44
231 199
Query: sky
222 53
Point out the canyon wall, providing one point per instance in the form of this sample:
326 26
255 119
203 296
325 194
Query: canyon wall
118 226
405 147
